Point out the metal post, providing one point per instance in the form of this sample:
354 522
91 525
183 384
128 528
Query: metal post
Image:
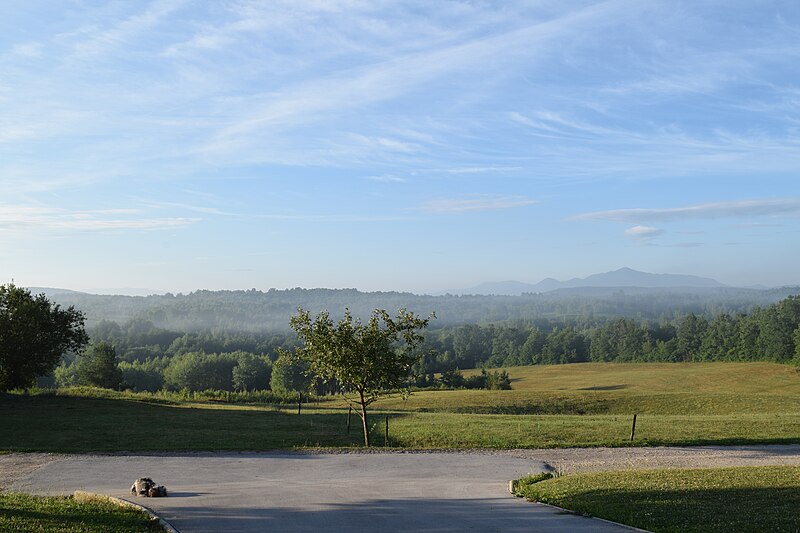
349 412
633 428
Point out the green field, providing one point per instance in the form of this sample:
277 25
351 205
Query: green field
23 513
550 406
613 388
710 500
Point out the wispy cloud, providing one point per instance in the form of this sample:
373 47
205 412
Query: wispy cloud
93 40
485 203
742 209
28 50
643 233
22 218
389 178
390 79
480 170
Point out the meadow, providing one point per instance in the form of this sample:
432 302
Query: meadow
549 406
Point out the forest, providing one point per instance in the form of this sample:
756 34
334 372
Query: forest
150 358
259 312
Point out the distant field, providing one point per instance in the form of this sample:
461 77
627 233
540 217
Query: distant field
611 388
551 406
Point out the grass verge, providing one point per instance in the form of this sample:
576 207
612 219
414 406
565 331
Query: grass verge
75 424
24 513
747 499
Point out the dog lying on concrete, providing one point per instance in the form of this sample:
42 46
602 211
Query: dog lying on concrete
144 486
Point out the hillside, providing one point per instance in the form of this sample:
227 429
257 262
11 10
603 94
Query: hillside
254 310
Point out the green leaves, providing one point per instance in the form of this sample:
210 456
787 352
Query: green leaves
367 360
364 357
33 335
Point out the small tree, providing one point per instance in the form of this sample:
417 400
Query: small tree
98 367
34 334
368 360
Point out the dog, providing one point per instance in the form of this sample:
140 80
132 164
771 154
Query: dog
144 486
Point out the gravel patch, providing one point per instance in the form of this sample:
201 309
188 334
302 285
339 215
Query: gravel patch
573 460
15 466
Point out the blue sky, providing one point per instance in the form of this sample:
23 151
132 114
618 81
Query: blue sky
417 145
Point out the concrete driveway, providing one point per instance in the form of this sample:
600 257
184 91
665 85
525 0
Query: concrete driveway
250 492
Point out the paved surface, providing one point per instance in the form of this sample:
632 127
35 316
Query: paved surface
249 492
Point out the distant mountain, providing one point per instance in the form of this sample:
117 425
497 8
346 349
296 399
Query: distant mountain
124 291
624 277
51 291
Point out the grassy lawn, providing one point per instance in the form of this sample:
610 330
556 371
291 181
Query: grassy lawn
75 424
551 406
710 500
23 513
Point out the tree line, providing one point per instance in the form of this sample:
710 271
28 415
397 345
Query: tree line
260 311
770 333
148 357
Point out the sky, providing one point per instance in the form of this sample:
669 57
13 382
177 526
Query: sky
419 146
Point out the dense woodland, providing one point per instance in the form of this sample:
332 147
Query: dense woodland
151 357
259 312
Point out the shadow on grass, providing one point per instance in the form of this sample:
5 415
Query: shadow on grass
606 387
74 424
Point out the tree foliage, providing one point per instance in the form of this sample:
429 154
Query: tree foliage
366 359
98 367
251 372
290 374
34 333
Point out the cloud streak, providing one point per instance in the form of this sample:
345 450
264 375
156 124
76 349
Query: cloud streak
465 205
741 209
643 233
25 218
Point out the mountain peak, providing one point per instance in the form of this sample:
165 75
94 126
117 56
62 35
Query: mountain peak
622 277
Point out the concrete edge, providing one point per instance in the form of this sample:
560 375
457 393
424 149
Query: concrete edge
81 495
512 485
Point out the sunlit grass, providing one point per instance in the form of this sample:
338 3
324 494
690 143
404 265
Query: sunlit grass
74 424
710 500
610 388
23 513
592 407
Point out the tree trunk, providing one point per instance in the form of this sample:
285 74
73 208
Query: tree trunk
364 418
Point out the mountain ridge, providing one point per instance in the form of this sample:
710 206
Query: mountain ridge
622 277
